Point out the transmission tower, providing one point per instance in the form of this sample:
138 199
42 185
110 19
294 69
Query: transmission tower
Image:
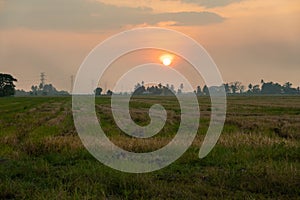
43 79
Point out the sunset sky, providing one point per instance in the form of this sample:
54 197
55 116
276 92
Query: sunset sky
249 40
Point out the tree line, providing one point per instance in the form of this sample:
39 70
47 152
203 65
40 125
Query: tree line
7 88
233 88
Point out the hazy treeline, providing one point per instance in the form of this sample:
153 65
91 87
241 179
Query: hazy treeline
41 90
7 88
233 88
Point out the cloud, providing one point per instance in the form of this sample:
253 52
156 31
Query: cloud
210 3
90 15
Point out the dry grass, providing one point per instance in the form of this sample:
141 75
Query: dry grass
256 157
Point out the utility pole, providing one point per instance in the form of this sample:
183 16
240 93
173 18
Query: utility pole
72 84
105 87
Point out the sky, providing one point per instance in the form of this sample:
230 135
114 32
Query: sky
249 40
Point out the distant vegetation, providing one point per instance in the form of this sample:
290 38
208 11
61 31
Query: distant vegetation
233 88
7 88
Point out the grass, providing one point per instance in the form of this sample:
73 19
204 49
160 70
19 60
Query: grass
257 155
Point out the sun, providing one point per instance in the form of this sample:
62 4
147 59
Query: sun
166 59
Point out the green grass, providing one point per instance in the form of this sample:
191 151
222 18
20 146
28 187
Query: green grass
257 155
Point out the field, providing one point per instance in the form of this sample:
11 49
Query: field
257 155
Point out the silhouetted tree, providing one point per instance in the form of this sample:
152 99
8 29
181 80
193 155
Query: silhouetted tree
256 89
138 85
41 86
98 91
109 92
250 87
235 86
198 92
205 90
287 88
271 88
242 89
46 90
139 89
34 90
7 87
181 86
227 88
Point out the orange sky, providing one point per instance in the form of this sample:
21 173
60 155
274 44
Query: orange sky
248 39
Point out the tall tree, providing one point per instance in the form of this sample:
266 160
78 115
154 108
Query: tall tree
7 87
98 91
250 87
109 92
227 88
198 92
235 87
181 86
205 90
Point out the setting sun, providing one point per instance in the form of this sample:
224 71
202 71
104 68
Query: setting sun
166 59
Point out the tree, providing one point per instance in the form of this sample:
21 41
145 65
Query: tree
227 88
250 87
256 89
34 90
181 86
198 92
138 85
98 91
236 86
7 87
287 88
109 92
205 90
49 89
41 86
271 88
139 90
242 89
46 90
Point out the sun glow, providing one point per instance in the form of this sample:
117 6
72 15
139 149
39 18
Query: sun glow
166 59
